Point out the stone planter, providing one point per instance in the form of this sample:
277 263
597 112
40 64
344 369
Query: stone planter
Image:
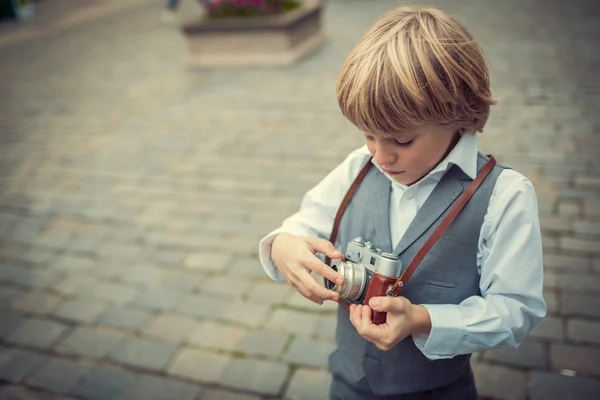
255 41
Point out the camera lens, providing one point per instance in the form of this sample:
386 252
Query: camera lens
355 280
331 285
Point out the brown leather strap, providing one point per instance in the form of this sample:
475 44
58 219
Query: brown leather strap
395 289
340 212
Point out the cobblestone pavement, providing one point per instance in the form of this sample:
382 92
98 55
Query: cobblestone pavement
133 192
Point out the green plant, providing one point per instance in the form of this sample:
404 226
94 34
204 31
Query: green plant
248 8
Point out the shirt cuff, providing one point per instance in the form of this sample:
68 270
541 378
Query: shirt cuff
264 254
447 332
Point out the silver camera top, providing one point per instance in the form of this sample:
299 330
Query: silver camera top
363 252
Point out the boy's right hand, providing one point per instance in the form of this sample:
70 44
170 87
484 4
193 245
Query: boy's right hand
295 258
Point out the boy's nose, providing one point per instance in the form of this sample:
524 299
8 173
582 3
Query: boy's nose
384 155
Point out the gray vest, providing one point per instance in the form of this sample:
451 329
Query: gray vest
447 275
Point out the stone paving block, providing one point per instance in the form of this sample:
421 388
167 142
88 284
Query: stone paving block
207 261
549 386
580 305
263 343
556 224
576 358
159 299
83 310
198 365
149 387
10 392
585 246
269 292
550 280
569 209
85 242
246 266
308 352
297 322
171 327
225 286
246 313
9 321
143 275
218 336
90 342
59 375
144 353
591 207
528 355
103 383
9 294
38 302
297 301
30 277
220 394
552 302
126 317
587 227
182 280
308 384
97 288
325 327
122 234
580 283
27 229
73 263
109 272
16 364
121 252
201 306
28 333
168 257
579 330
264 377
36 257
549 328
500 382
52 240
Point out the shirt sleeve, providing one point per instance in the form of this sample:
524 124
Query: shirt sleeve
317 209
511 268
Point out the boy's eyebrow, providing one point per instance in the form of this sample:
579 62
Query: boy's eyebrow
399 135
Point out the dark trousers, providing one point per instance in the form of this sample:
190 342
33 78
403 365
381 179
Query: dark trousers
461 389
172 5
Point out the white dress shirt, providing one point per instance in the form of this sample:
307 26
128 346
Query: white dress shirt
509 256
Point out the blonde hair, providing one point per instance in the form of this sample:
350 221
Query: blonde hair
416 65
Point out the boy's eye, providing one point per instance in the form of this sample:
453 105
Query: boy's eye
403 144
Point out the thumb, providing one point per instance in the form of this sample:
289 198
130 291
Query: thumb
323 246
387 304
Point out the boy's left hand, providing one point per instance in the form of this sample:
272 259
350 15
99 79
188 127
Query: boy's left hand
403 318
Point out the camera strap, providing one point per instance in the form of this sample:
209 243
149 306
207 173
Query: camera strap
396 288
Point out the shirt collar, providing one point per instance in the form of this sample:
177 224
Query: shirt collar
464 156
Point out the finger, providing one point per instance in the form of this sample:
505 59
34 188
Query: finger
301 288
316 289
366 319
323 246
388 304
353 318
320 268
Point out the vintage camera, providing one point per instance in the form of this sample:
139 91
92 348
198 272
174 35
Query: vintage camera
367 272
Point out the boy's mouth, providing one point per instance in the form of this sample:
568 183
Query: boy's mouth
389 172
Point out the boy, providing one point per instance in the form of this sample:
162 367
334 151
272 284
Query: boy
417 85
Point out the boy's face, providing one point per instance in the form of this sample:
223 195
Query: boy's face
410 155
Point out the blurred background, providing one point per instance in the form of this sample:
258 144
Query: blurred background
137 177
